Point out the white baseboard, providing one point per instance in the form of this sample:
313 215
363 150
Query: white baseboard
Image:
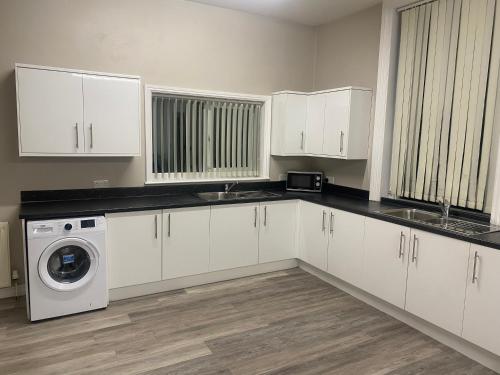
11 292
457 343
207 278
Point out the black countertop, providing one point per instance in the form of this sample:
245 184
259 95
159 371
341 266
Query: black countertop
99 204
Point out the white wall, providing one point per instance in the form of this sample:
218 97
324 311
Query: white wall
347 55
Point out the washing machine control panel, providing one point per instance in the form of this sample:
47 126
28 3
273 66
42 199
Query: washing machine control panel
66 226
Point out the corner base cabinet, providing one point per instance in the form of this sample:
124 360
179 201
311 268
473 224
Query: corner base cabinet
63 112
313 244
133 242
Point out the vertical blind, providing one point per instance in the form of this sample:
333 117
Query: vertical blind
449 58
196 137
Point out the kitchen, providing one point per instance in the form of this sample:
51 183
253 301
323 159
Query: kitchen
367 275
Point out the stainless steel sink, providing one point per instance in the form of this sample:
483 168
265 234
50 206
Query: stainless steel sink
462 226
221 195
411 214
434 219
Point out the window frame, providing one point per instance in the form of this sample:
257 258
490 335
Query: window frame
265 135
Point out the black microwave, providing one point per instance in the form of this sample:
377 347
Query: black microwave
304 181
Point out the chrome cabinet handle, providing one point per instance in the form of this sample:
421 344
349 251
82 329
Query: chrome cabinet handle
331 222
474 275
414 254
77 138
255 217
301 140
402 240
341 141
156 226
91 135
168 226
323 225
265 215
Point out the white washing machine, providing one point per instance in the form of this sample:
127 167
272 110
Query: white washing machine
66 266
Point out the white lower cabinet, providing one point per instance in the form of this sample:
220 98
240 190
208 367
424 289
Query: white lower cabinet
345 246
186 235
482 302
385 260
234 236
277 234
437 274
313 243
133 243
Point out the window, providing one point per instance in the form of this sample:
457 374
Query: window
206 136
445 102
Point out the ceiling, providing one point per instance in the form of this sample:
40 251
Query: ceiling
305 12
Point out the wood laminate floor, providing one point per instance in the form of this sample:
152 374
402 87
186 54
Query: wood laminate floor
286 322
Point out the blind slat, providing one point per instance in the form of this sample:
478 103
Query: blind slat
489 114
408 77
398 116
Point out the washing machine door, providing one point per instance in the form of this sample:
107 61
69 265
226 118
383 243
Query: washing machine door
68 264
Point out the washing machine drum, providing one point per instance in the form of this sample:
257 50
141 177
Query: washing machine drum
68 264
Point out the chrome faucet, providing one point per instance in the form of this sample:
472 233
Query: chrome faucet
445 207
227 187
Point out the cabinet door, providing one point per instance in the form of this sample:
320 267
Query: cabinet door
111 114
50 112
482 303
315 123
336 123
234 236
345 246
185 242
277 239
313 234
134 248
437 275
295 124
385 264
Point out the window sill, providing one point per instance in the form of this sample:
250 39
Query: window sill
205 180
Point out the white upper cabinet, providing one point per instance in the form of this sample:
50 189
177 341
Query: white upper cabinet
111 114
345 246
75 113
277 235
336 129
50 112
289 123
482 303
437 274
337 123
386 260
315 123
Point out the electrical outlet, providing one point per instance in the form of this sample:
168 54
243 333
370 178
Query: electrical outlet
101 184
330 179
15 275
